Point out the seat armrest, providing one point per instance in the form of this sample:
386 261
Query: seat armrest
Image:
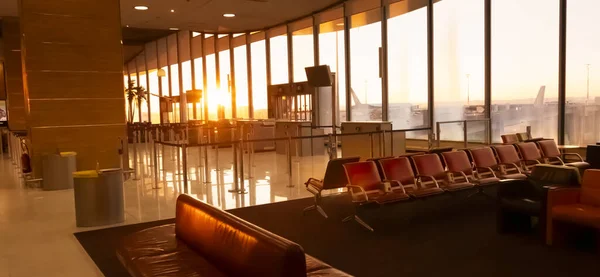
396 183
420 180
488 169
562 196
580 159
355 195
513 165
453 173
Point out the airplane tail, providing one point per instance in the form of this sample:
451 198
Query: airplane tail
539 100
354 97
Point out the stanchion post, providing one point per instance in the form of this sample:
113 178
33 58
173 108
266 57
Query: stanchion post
185 177
236 182
241 189
289 165
381 143
438 133
217 150
465 134
155 168
206 170
135 157
371 139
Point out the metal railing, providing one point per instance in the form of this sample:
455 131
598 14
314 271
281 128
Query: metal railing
242 149
465 130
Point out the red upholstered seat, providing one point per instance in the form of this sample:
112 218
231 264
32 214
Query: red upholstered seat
431 172
460 166
575 205
486 164
530 153
400 170
552 155
365 185
510 162
509 138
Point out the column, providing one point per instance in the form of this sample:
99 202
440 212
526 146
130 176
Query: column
73 66
14 78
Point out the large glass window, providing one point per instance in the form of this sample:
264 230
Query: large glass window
365 46
407 66
459 67
259 79
331 52
525 67
241 81
173 64
198 73
279 59
211 75
303 49
142 82
225 86
583 60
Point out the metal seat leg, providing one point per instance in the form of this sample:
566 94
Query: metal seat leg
316 206
359 221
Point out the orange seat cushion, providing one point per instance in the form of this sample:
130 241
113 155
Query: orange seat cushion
578 213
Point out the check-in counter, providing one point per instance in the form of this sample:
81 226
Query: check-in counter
258 129
303 147
360 145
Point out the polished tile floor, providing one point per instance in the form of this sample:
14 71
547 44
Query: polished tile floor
36 226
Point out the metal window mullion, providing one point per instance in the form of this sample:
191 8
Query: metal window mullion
218 73
204 79
232 80
147 83
384 62
249 73
182 95
430 57
488 65
562 68
193 72
347 64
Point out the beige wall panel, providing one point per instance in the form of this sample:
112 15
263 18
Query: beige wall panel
80 85
72 57
76 112
96 143
101 10
80 30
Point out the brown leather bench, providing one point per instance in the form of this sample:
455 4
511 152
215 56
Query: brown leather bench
206 241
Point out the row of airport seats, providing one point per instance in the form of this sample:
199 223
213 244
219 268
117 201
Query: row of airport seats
416 176
518 137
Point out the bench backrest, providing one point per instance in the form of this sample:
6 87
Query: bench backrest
233 245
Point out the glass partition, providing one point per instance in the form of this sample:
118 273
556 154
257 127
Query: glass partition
525 67
259 79
303 52
332 53
241 81
459 67
225 84
583 59
365 46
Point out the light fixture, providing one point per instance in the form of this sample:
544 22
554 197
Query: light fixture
229 15
141 8
172 11
127 26
173 29
161 73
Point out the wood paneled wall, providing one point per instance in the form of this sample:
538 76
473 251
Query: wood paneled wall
73 68
11 39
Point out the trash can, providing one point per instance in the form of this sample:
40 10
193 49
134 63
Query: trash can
99 197
57 170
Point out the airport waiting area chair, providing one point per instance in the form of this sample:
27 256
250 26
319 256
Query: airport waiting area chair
366 187
574 206
521 200
335 177
460 166
486 165
431 171
400 170
552 155
509 138
510 162
530 155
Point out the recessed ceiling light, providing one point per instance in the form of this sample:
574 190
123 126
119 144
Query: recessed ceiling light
172 11
340 24
127 26
173 29
141 8
229 15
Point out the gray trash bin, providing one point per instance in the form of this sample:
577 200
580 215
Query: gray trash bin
57 170
99 197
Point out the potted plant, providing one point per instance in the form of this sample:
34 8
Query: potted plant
135 95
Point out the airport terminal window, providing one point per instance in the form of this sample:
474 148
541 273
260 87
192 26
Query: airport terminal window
225 88
211 75
525 67
241 81
583 60
365 79
331 52
459 68
259 79
303 49
279 60
407 68
174 67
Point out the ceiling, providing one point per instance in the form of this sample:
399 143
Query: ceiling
206 15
